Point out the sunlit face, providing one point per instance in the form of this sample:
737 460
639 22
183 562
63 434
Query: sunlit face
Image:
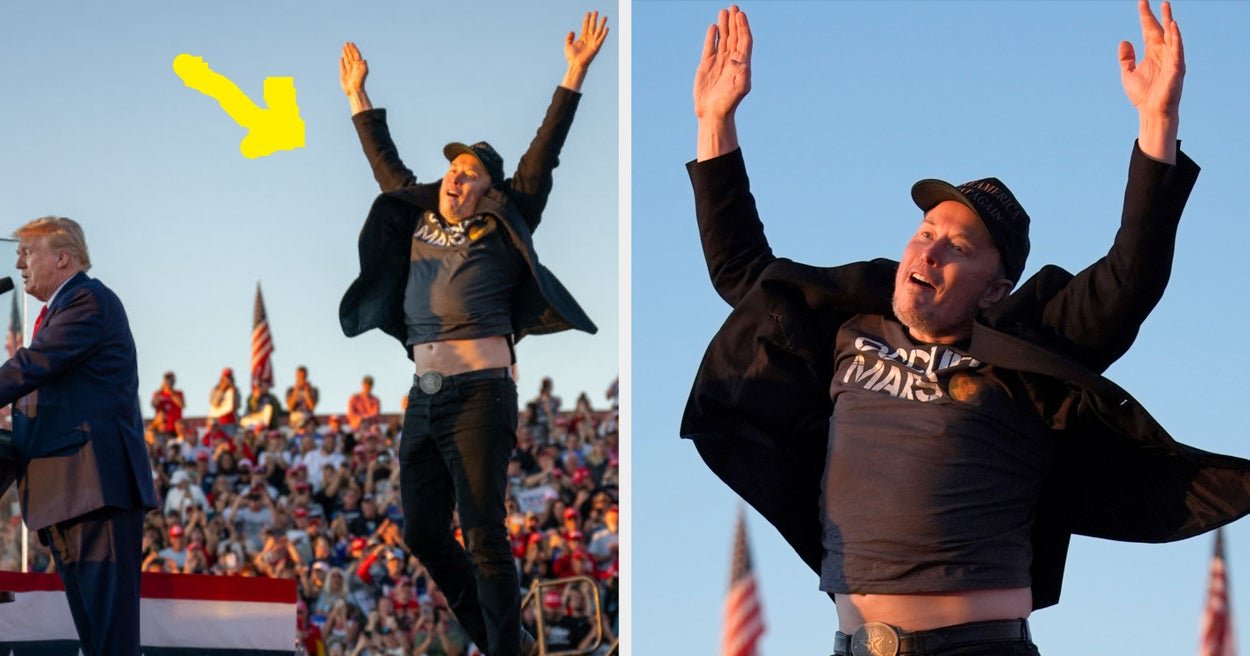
950 270
43 267
464 184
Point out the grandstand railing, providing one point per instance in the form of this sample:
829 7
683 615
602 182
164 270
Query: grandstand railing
535 594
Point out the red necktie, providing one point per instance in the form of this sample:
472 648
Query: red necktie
38 322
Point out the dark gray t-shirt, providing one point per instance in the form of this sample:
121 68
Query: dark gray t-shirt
461 280
935 464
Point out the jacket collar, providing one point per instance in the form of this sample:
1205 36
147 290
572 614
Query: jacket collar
64 292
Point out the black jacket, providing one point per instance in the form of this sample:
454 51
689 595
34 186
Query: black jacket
376 298
759 408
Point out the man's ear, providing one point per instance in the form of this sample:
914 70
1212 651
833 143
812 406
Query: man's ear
995 292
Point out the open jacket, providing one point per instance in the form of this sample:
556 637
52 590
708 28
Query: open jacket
376 298
759 408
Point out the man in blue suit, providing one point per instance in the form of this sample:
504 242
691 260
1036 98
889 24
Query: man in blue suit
84 480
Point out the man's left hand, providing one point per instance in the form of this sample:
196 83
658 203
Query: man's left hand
1154 84
581 51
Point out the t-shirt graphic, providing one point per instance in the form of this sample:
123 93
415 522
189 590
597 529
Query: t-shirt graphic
437 231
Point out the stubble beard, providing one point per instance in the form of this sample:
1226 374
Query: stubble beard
924 321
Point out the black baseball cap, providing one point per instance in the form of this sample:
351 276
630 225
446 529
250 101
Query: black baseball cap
484 153
995 205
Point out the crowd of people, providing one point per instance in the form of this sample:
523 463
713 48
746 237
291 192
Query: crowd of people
263 488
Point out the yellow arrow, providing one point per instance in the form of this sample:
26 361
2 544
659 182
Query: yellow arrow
278 127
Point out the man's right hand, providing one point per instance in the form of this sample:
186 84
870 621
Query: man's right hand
353 69
722 80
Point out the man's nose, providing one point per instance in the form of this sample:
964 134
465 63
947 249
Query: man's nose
932 251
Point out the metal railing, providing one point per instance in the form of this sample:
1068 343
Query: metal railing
535 594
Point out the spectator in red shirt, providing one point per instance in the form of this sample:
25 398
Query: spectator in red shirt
309 633
363 407
575 560
168 403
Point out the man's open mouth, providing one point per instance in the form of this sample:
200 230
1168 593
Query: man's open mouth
918 279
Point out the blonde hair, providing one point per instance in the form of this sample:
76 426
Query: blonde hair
63 234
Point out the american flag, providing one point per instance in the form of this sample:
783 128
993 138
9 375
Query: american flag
13 338
744 617
262 344
1217 624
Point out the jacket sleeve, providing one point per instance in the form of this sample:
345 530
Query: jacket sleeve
1099 312
375 138
733 239
531 184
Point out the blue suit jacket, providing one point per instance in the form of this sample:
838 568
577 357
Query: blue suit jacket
76 425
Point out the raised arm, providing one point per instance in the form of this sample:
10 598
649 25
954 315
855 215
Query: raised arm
1100 311
532 182
722 80
1154 84
730 230
732 235
375 136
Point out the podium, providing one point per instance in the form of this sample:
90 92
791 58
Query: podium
8 472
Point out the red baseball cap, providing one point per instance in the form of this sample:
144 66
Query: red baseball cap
551 598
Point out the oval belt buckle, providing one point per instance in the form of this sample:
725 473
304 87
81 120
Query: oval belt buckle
430 382
875 639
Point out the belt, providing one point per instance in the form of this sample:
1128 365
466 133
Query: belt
881 639
432 382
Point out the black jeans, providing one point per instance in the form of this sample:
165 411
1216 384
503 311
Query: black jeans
454 455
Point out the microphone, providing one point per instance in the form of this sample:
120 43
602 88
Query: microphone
6 284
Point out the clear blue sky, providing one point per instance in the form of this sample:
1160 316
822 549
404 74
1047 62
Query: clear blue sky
852 103
98 127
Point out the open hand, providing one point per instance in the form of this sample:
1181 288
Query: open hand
581 51
353 69
1153 84
723 78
